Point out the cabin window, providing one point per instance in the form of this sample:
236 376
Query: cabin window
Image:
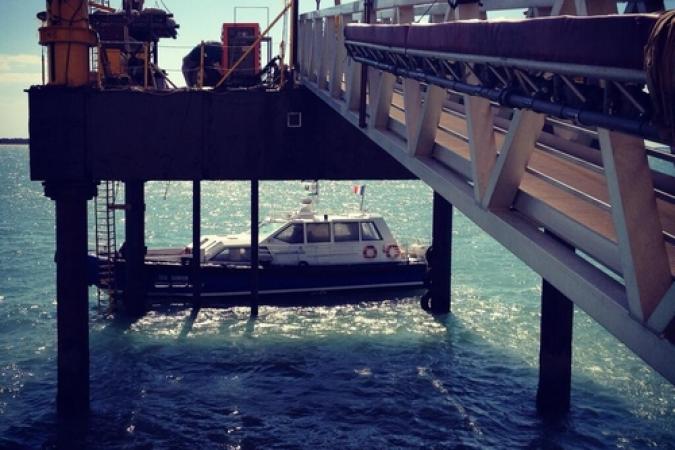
233 255
346 231
318 232
225 255
369 232
292 234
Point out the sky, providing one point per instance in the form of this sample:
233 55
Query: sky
20 53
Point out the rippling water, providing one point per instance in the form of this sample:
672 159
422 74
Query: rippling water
378 374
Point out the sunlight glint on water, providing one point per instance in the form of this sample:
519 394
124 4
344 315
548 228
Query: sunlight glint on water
378 374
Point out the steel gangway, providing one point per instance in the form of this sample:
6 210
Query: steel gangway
554 157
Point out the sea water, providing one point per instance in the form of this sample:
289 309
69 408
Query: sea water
380 373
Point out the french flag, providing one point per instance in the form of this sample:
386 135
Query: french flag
359 189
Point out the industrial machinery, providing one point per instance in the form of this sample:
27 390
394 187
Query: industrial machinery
203 65
237 38
127 54
233 63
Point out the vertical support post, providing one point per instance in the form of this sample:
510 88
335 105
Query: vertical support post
367 6
134 249
255 260
412 94
304 46
200 75
328 50
381 95
441 264
72 302
308 42
479 118
317 50
295 23
44 76
196 241
555 351
338 71
353 79
146 63
426 128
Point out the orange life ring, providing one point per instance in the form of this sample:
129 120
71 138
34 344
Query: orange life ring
369 252
393 251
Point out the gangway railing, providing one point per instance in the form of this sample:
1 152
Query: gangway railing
521 144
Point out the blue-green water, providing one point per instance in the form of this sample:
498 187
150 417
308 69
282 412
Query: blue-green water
378 374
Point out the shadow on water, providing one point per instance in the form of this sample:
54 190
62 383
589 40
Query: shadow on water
294 300
448 388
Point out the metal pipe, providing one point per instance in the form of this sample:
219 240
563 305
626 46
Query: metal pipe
146 63
134 247
294 37
44 78
555 348
196 241
200 78
99 66
72 305
441 255
510 99
573 70
255 257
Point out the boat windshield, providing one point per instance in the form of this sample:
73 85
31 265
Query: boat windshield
267 228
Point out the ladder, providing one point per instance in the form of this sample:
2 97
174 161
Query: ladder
106 240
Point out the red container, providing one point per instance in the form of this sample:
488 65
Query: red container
237 38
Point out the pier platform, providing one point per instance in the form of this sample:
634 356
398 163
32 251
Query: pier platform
564 157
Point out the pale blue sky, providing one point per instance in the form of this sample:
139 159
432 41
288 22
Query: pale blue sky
20 64
20 60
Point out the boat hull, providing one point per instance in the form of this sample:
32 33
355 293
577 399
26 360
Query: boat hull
171 280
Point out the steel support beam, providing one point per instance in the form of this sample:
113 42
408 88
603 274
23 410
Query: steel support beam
255 262
441 256
72 301
196 241
367 7
134 247
295 23
555 351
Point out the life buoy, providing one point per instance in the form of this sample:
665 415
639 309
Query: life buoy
393 251
369 252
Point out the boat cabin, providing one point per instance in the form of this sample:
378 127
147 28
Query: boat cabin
309 239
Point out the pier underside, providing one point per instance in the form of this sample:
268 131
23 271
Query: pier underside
81 134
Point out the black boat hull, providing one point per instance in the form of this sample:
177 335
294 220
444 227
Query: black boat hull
172 280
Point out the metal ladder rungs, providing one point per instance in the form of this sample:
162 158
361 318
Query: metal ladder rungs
106 239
